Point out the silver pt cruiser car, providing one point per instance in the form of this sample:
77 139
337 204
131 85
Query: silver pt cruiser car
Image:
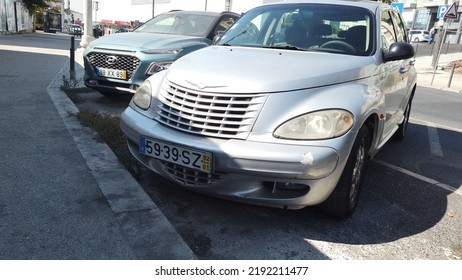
287 108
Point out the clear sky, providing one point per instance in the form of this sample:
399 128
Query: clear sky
123 9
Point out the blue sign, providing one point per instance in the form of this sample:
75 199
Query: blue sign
398 6
442 11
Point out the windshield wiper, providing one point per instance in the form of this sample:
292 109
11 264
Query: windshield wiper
286 47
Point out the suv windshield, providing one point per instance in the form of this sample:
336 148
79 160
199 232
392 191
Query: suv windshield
179 24
314 27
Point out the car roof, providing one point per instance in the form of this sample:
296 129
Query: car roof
201 13
370 5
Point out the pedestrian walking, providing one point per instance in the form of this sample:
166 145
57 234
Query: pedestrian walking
432 35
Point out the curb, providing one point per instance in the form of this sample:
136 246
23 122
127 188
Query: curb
148 232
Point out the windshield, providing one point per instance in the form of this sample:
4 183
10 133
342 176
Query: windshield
305 27
179 23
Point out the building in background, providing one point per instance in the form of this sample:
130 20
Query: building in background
14 17
427 14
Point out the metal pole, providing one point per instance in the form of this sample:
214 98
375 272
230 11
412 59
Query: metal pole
16 17
205 5
435 66
153 5
72 59
452 73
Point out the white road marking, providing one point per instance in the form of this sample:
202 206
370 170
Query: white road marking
416 121
434 141
422 178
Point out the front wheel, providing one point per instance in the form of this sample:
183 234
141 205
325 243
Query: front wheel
343 200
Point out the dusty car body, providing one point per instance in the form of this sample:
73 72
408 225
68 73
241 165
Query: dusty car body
285 110
120 62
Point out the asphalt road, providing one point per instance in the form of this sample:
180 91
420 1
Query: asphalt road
410 207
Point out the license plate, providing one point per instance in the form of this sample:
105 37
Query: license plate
111 73
195 159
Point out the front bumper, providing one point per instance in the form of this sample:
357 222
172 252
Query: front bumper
270 174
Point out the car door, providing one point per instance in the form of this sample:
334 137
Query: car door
394 73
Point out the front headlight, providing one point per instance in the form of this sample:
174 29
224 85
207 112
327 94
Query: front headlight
162 51
316 125
157 67
142 96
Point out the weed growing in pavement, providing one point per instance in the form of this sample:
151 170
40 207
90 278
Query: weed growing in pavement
69 86
108 128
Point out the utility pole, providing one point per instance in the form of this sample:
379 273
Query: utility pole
88 21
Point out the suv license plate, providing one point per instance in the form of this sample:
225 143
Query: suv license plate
111 73
195 159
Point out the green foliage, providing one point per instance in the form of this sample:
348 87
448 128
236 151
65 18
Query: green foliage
35 5
108 129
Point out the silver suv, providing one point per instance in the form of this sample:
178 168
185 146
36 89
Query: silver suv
285 110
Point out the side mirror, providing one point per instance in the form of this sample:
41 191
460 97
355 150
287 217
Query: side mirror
218 36
398 51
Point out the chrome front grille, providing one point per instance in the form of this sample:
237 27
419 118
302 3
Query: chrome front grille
188 177
207 113
124 62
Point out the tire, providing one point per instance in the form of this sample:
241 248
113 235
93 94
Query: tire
416 40
107 93
402 128
343 200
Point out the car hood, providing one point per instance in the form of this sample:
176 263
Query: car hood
136 41
245 69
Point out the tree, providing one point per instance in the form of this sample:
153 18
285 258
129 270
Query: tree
387 1
34 6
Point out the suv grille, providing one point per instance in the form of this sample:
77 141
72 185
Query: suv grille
206 113
124 62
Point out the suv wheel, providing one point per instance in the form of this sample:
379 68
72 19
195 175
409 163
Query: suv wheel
107 93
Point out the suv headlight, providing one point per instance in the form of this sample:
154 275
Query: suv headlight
316 125
157 67
142 97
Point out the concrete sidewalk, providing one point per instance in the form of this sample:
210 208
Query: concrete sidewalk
147 231
441 78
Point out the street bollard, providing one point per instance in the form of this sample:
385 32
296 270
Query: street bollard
452 74
72 59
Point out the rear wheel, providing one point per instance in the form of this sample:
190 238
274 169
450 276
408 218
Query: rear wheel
343 200
401 132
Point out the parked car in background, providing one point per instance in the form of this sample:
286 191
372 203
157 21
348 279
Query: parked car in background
124 29
75 29
419 36
285 110
120 62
